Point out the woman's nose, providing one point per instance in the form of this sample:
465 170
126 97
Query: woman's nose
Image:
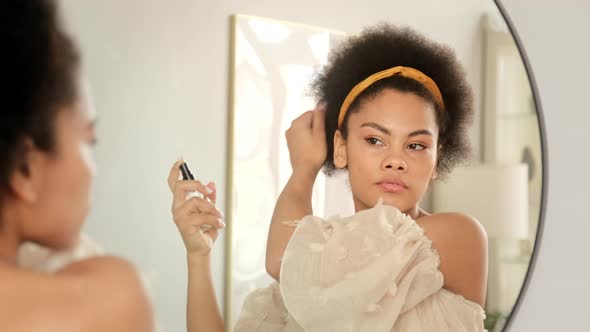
395 162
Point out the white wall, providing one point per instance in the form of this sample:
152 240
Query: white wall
159 72
554 35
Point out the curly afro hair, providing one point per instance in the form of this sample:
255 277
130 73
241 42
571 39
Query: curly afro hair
39 69
384 46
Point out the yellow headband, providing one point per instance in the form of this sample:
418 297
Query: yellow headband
408 72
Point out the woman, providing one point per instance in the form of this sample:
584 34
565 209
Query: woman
46 169
394 114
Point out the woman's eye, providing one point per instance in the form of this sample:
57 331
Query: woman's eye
416 146
373 141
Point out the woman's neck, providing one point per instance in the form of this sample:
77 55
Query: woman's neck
8 252
9 241
415 212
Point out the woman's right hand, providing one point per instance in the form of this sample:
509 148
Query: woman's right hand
191 214
306 140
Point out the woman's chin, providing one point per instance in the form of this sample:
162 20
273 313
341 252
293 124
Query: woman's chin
396 202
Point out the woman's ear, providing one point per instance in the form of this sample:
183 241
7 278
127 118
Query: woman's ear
340 156
434 175
25 180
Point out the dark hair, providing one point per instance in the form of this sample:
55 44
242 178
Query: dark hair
39 69
384 46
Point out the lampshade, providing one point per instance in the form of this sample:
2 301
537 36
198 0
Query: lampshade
496 195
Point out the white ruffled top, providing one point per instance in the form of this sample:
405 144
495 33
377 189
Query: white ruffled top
374 271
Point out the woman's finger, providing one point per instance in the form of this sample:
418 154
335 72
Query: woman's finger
200 220
196 205
213 196
318 124
183 187
307 119
304 120
174 174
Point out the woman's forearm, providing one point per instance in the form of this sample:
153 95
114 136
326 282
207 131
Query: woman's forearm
293 203
202 310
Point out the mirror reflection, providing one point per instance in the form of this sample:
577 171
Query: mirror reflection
500 185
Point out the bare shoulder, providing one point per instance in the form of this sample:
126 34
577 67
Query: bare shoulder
97 294
110 294
100 268
455 226
461 243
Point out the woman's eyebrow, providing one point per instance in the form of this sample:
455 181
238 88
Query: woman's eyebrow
388 132
378 127
420 132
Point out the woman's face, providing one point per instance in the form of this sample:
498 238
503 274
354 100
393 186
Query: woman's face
390 151
64 178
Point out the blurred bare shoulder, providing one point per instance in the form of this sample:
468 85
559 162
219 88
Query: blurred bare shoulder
461 243
96 294
111 292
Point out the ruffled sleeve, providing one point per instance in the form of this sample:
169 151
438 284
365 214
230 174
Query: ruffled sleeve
374 271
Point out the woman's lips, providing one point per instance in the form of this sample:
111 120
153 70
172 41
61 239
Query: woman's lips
392 187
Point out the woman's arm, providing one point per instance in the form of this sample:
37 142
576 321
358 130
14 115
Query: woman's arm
293 203
202 308
190 215
307 148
